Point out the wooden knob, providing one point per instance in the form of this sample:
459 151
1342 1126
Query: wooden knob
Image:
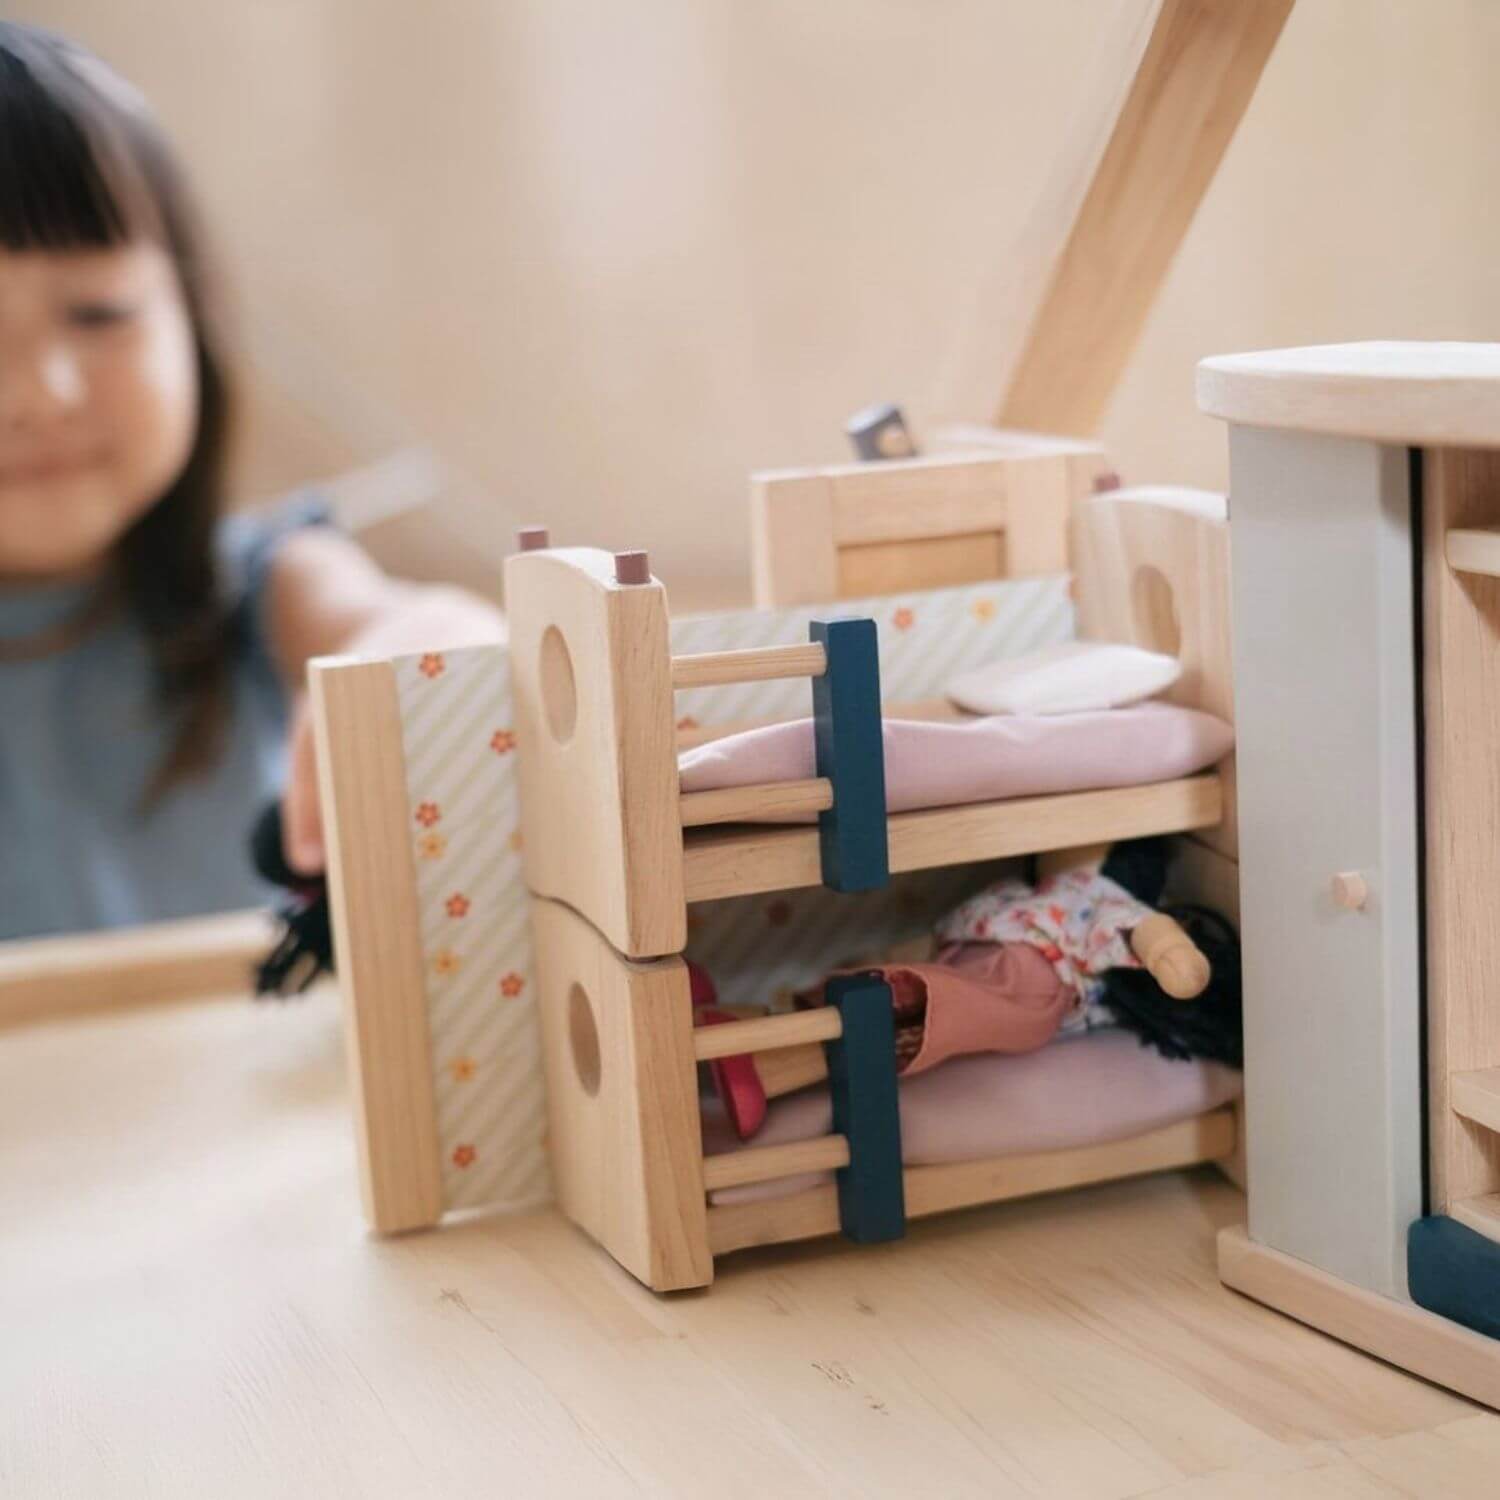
1350 890
532 539
632 567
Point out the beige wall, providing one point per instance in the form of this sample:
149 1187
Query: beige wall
607 258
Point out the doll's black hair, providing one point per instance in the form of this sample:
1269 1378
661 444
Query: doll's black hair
1209 1026
84 165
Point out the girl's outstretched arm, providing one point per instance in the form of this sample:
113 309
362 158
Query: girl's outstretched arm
326 597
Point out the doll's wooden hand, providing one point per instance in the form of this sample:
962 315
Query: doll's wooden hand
1170 955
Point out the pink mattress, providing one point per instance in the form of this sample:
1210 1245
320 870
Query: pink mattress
1082 1091
942 763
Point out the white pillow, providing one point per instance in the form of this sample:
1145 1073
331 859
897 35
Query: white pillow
1070 678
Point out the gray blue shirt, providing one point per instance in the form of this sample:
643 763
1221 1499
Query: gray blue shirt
81 734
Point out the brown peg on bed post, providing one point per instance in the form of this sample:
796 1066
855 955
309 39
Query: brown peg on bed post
632 568
532 539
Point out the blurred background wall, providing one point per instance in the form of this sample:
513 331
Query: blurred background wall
605 259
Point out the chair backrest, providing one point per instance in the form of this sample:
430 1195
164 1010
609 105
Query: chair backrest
992 505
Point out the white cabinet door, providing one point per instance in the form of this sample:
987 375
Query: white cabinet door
1326 714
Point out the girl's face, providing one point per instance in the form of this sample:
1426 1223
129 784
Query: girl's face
98 401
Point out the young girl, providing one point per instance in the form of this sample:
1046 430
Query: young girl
152 654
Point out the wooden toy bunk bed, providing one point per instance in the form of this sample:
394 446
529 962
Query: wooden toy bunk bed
615 856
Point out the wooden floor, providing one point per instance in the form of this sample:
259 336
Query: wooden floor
188 1307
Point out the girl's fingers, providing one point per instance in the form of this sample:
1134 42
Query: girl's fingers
301 820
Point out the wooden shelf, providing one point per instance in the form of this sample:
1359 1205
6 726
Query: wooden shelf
1474 549
1480 1214
745 861
1476 1096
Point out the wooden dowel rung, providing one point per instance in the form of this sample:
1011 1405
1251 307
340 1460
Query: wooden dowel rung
767 1033
766 1163
763 664
764 802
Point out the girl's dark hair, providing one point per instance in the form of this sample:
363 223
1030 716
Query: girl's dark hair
84 165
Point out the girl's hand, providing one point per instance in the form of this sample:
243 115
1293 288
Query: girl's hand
301 812
328 598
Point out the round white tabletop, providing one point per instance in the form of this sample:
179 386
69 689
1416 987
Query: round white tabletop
1423 394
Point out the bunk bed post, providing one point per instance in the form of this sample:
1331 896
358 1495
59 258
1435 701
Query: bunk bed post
622 1100
866 1112
852 833
592 672
372 892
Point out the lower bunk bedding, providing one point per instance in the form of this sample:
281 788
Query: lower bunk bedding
1084 1090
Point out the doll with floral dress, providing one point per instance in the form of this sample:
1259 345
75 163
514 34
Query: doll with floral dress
1015 966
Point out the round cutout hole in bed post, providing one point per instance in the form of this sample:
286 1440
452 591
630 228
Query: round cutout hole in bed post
559 690
1154 611
583 1038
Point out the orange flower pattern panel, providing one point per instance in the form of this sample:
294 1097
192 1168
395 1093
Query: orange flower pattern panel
459 745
